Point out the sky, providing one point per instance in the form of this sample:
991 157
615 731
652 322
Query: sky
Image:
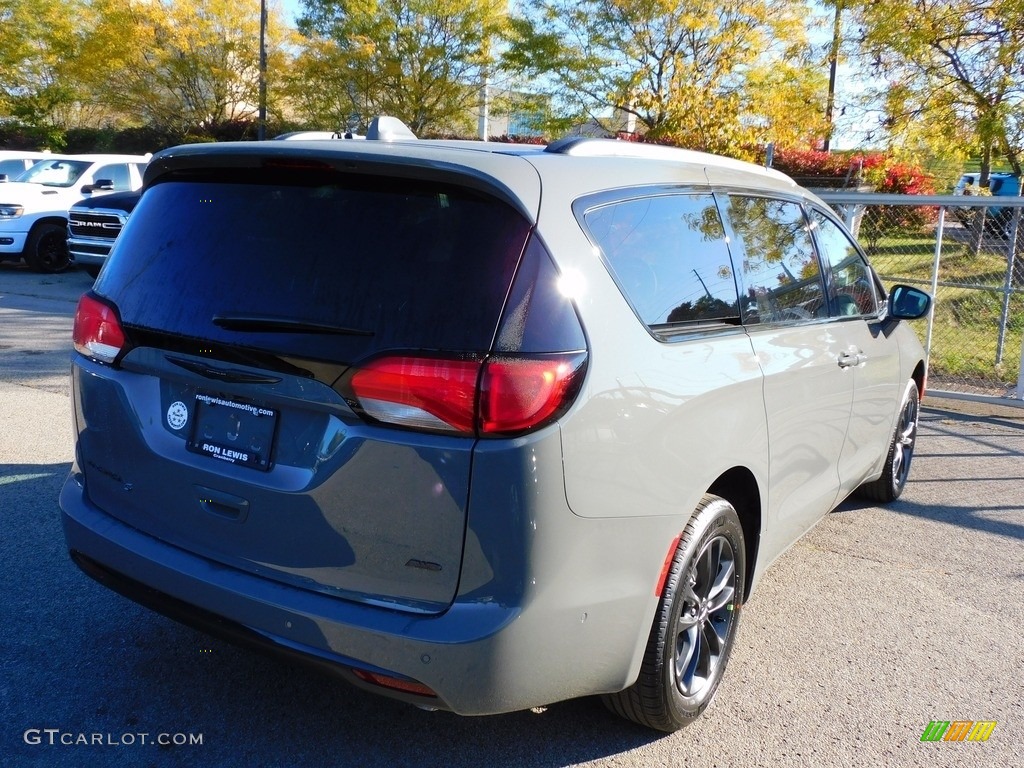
292 8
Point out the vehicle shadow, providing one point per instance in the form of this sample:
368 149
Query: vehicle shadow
993 438
972 517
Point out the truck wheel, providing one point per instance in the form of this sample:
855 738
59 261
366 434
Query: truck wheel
47 249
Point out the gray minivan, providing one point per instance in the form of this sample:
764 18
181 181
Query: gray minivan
479 426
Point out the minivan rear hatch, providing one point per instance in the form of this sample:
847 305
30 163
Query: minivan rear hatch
246 289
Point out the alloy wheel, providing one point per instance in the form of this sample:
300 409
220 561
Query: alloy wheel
706 616
906 436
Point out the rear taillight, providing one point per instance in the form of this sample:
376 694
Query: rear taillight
500 396
518 394
97 333
417 392
530 378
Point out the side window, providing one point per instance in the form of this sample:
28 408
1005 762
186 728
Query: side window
781 277
117 173
852 291
669 255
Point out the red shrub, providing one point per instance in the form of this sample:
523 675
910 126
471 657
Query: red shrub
812 163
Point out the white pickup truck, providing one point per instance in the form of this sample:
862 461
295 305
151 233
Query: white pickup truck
34 209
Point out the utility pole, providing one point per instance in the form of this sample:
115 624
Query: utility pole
833 64
262 131
483 121
483 127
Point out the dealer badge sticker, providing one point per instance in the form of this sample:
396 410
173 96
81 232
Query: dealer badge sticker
177 415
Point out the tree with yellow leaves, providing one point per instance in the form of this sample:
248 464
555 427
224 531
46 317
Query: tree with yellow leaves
40 50
181 66
952 74
422 61
717 75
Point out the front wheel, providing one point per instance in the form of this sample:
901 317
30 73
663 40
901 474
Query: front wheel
47 249
890 485
695 625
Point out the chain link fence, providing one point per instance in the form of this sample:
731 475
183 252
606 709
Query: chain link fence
968 252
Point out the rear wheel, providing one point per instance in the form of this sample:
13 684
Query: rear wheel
47 249
890 485
695 624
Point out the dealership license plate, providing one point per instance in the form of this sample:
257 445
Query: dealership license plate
233 431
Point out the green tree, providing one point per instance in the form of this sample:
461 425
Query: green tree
422 61
40 47
718 75
954 72
179 66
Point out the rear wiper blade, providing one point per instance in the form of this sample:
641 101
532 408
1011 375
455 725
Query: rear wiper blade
233 375
267 324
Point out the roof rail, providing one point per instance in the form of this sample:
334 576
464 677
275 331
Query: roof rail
385 128
582 146
589 146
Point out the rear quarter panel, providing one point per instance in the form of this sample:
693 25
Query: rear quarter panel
657 422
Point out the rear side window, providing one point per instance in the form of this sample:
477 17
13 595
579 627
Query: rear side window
781 279
669 256
380 263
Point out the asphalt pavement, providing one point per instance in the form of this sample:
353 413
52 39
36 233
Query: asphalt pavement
876 623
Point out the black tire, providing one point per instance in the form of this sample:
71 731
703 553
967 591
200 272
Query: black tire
695 624
92 270
47 249
890 485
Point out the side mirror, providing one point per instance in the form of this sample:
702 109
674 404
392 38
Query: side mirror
101 185
907 303
3 178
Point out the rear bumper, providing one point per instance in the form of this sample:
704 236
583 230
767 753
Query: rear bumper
480 657
218 626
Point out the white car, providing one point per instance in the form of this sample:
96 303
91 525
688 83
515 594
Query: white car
33 209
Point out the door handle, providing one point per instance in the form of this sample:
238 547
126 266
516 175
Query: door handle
848 360
222 504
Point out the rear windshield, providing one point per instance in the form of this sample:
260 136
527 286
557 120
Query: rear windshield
401 264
